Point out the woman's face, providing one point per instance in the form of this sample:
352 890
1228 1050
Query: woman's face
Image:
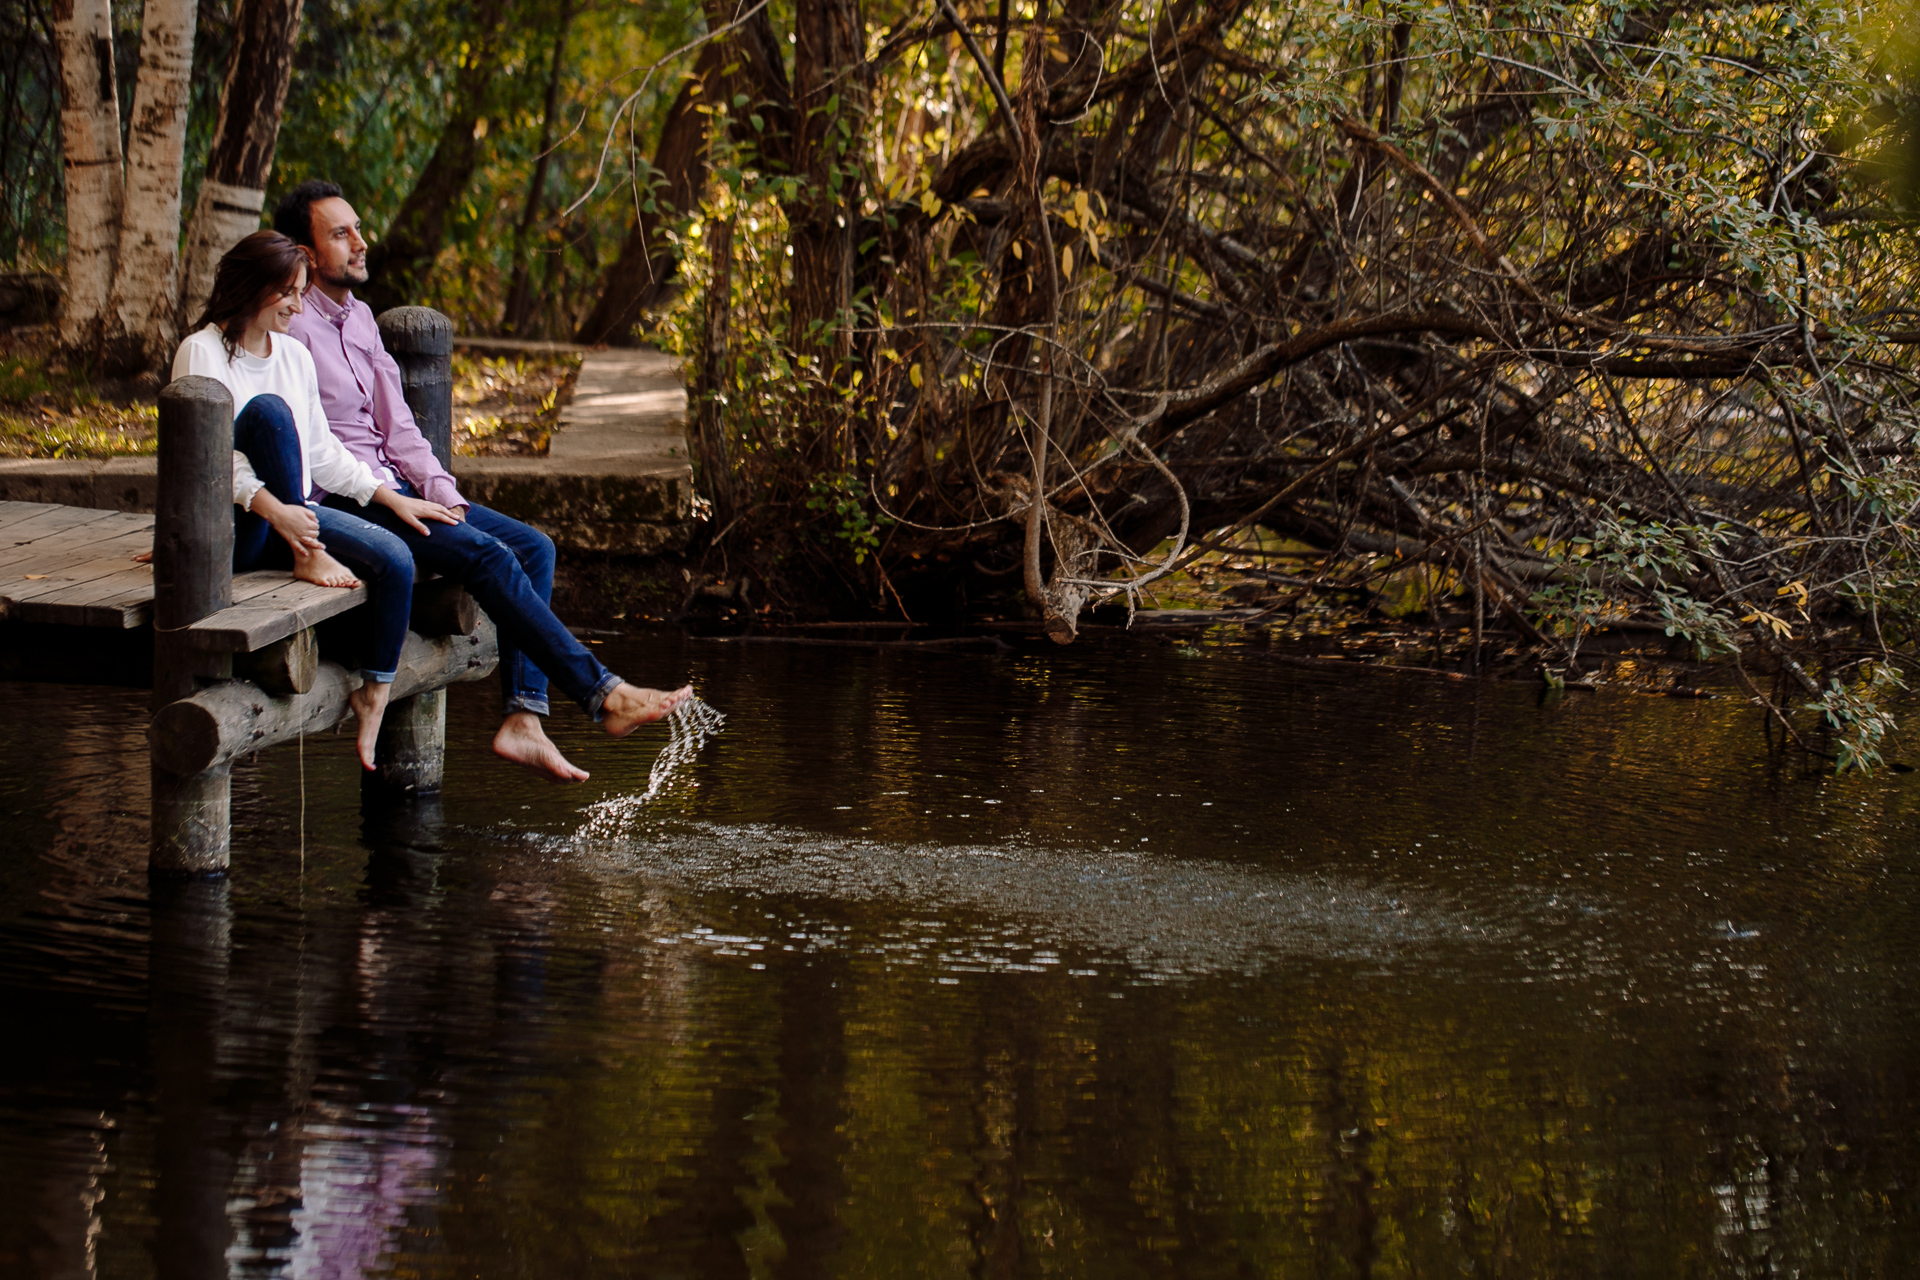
283 305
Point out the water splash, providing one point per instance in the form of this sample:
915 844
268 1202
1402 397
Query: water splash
689 727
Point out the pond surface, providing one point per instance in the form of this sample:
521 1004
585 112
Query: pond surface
1102 962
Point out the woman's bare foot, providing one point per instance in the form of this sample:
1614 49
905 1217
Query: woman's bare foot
523 740
629 706
369 703
323 570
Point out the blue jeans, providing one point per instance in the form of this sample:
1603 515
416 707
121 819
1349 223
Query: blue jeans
508 566
264 431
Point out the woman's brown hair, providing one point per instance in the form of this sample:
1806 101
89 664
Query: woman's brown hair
258 269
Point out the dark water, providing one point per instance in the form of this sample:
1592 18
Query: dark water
1103 962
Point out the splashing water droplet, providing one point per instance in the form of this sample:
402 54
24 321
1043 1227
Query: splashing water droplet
689 727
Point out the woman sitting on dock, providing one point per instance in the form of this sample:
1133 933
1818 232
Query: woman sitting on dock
282 449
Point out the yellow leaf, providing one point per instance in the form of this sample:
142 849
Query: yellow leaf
930 203
1015 246
1057 53
36 577
1066 262
1080 205
1093 245
913 375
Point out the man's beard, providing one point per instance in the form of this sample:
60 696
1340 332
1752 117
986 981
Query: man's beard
344 277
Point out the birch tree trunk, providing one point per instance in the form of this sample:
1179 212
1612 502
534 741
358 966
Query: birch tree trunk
90 143
251 104
138 331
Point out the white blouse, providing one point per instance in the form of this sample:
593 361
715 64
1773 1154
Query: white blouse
286 371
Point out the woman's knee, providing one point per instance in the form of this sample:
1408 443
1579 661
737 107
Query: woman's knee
268 413
391 553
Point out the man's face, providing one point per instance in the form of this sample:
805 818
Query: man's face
340 253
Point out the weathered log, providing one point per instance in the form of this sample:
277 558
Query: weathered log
420 340
192 577
442 607
218 725
283 667
410 757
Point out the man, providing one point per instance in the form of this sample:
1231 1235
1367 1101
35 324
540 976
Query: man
507 565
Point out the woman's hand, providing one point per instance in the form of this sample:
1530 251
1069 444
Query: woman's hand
415 510
294 522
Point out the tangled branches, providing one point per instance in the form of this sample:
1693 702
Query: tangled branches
1595 310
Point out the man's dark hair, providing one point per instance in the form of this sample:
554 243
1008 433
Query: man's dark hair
293 216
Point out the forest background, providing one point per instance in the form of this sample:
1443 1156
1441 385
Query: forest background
1553 319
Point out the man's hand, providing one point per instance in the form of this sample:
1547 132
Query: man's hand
415 511
294 522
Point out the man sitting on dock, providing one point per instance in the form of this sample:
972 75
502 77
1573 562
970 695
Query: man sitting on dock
507 565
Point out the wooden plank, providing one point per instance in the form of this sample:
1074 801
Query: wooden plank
100 581
61 548
120 601
14 512
57 520
70 565
272 615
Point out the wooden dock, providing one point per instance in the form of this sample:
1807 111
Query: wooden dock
235 661
75 567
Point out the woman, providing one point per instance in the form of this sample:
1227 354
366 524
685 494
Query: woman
283 448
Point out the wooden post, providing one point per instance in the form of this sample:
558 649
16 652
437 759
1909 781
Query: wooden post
420 340
192 577
410 756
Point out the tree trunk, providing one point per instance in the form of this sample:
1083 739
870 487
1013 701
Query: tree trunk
828 146
513 322
251 103
90 142
400 262
715 377
138 330
642 275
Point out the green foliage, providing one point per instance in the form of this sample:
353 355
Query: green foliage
1858 715
841 498
1627 563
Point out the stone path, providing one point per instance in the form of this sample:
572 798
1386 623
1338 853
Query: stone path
616 476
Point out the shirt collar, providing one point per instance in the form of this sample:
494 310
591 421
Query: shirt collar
330 311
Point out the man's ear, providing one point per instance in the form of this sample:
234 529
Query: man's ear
313 266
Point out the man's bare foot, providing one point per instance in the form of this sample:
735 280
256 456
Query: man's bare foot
323 570
523 740
369 703
629 706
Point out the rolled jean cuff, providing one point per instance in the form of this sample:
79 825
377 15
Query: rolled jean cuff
377 677
517 702
597 701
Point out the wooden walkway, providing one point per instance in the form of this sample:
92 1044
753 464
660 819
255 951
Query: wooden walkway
74 567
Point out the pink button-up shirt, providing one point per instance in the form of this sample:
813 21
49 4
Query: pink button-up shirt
360 389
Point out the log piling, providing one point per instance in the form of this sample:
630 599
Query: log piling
193 577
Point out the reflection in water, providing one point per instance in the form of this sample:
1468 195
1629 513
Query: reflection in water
961 965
